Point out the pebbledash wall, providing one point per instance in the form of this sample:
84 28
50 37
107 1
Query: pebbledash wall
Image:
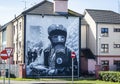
36 38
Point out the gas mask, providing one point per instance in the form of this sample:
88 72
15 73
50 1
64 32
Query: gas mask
58 43
57 37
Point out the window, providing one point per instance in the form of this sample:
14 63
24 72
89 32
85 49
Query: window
4 38
4 35
20 26
14 29
116 45
19 47
19 44
116 29
105 63
16 26
104 48
117 63
104 31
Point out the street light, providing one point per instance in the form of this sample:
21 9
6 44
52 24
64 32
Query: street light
99 39
97 67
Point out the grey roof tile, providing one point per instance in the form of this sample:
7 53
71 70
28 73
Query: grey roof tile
46 8
104 16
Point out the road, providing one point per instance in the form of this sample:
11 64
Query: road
34 82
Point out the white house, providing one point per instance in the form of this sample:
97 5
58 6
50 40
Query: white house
103 38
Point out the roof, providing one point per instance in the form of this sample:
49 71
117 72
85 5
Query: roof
47 8
104 16
4 26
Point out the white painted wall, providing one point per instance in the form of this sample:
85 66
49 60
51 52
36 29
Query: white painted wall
83 36
91 42
18 37
113 37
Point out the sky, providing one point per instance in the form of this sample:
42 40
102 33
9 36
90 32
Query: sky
10 8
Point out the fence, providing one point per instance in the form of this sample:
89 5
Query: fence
14 69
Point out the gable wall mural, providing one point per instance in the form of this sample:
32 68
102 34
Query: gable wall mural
49 43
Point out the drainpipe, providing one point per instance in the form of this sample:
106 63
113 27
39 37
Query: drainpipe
98 39
24 54
79 62
97 45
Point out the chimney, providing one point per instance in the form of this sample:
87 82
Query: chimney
61 6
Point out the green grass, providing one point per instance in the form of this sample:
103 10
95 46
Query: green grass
76 81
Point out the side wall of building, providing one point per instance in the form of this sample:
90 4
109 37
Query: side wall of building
18 26
91 34
111 39
83 36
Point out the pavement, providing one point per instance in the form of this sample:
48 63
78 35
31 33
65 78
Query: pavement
34 82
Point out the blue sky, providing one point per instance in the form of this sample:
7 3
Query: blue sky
10 8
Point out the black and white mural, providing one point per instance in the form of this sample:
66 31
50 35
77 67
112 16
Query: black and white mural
49 43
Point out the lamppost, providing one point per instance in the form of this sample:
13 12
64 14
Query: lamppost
97 67
99 49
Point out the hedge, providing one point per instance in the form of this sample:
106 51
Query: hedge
112 76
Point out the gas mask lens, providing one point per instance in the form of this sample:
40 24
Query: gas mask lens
58 38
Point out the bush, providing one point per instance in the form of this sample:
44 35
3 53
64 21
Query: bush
109 76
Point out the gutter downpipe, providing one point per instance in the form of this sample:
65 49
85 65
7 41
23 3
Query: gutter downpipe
97 44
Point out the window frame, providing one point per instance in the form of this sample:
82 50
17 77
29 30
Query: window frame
105 64
117 64
116 29
116 45
104 48
104 32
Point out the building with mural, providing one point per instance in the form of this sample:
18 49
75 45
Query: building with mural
45 35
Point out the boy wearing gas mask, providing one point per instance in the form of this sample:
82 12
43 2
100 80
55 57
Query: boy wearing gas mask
57 57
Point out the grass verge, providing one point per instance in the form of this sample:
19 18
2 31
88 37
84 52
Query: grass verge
76 80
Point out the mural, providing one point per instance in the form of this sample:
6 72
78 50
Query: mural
49 47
